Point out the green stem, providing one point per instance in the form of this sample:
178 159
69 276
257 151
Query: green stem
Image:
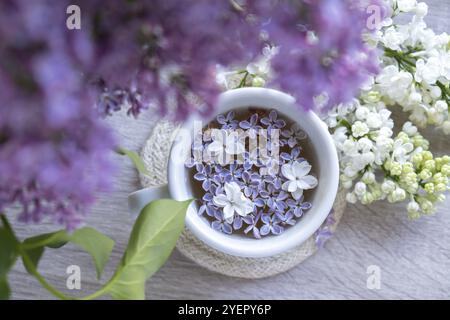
403 59
30 265
244 79
135 158
32 269
388 174
105 288
345 123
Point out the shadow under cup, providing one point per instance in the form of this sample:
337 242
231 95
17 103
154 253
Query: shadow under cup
318 150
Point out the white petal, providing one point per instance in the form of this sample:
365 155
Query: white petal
240 148
292 186
215 147
252 68
297 194
235 186
300 169
307 182
239 208
245 206
228 212
221 200
233 191
408 147
398 143
231 148
234 144
217 135
285 185
286 170
248 209
228 191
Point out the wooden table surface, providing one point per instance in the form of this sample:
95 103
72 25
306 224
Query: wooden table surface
413 256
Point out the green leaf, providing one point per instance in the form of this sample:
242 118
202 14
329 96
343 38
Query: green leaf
137 161
52 240
8 251
5 291
152 240
34 247
93 242
35 255
8 256
96 244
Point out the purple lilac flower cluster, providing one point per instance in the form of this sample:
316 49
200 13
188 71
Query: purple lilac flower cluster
54 149
164 53
274 209
324 48
180 43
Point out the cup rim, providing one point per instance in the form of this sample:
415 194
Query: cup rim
307 225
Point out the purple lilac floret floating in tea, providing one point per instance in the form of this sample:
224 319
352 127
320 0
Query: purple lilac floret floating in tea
248 195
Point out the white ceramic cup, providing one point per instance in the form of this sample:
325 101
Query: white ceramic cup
326 168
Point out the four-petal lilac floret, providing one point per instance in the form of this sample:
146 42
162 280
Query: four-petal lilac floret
276 201
272 121
294 155
292 135
227 121
297 207
287 219
232 174
220 224
251 125
204 174
271 224
251 183
252 225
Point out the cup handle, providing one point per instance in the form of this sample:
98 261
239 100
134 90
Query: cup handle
139 199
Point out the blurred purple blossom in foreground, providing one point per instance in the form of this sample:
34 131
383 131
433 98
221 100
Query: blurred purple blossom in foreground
180 43
53 148
141 54
324 52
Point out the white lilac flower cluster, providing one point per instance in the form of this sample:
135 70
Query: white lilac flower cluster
416 66
259 189
363 136
415 75
376 165
255 74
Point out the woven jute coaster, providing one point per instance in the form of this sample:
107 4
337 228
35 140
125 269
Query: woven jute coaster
155 155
